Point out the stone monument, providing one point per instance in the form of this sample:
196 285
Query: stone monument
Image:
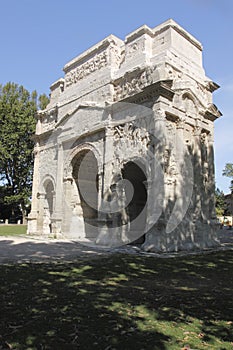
124 150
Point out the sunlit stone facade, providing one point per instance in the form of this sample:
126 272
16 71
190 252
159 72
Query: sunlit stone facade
139 110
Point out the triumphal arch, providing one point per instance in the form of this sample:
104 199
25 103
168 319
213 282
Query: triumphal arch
124 150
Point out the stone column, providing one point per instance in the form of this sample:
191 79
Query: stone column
201 226
100 186
108 158
107 173
212 238
157 171
59 195
68 206
197 171
40 215
211 177
155 239
180 163
207 177
107 235
32 217
179 221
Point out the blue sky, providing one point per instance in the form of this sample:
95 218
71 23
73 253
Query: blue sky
38 37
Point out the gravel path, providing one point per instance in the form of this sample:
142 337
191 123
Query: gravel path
25 249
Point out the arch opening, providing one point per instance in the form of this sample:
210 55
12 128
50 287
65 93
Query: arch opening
136 209
85 175
48 206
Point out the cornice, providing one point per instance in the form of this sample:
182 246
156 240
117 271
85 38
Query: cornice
161 88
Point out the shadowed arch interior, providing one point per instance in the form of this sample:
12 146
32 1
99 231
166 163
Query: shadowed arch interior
85 174
136 175
49 194
48 206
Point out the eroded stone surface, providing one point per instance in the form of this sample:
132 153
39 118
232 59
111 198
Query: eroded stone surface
141 111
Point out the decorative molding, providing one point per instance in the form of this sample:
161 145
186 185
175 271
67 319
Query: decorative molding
132 83
212 113
96 63
75 151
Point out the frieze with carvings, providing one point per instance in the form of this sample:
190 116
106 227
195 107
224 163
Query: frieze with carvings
96 63
130 140
138 46
172 73
132 133
132 83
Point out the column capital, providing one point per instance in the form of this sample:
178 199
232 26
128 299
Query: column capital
41 195
197 130
180 123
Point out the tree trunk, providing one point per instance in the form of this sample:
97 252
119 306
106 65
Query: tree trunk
24 213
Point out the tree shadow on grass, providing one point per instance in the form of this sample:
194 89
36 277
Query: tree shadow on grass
118 302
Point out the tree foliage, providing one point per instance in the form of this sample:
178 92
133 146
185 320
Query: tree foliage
43 101
17 125
228 172
220 204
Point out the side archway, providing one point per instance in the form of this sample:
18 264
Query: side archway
84 203
47 196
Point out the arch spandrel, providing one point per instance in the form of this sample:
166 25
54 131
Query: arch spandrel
47 179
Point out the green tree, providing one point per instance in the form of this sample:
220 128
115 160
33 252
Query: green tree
228 171
17 125
43 101
220 204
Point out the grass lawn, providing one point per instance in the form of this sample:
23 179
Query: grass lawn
119 302
12 230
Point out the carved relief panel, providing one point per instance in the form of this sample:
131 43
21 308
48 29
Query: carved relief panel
92 65
132 83
130 141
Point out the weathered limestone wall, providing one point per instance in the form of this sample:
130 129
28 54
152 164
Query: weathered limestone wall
138 111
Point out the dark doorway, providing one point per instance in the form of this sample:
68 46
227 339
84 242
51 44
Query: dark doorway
49 193
137 216
48 207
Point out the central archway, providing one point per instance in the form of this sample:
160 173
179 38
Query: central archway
85 175
136 209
